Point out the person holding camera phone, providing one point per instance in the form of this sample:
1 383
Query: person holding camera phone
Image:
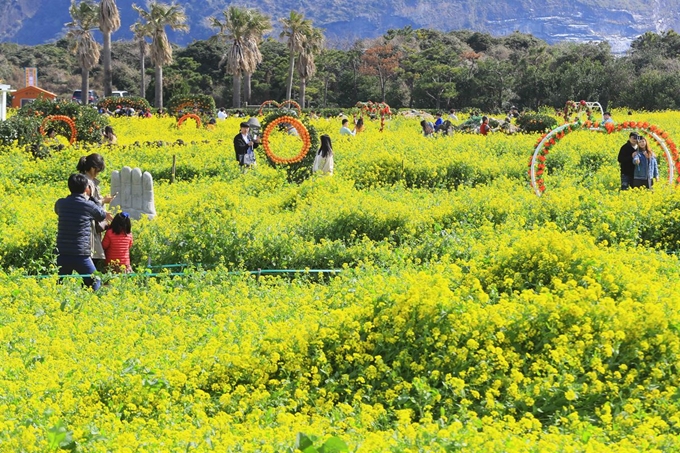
244 145
646 166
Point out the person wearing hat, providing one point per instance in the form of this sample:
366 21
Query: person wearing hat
626 161
244 145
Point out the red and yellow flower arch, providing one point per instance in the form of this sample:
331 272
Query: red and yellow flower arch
549 140
65 119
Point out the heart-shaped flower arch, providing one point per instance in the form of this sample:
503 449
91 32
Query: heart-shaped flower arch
280 105
547 141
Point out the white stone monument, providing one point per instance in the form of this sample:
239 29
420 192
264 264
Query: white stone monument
134 191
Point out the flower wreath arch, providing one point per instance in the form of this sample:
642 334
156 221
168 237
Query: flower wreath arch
549 140
577 108
302 131
280 105
266 104
187 116
375 108
292 103
66 119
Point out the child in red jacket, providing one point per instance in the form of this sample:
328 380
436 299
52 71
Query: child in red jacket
117 242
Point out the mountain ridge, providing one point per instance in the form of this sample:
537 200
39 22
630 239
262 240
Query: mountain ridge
619 22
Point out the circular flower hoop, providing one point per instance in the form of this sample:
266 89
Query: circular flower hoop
187 116
547 141
302 132
66 119
267 103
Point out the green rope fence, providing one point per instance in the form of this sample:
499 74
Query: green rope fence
257 272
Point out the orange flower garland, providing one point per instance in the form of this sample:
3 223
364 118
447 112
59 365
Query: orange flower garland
187 116
302 131
66 119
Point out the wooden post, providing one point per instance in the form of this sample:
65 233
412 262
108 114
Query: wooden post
174 164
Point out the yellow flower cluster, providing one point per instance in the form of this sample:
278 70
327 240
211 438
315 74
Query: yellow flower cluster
469 314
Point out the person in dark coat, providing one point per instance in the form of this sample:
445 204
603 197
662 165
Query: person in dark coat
76 213
626 161
244 142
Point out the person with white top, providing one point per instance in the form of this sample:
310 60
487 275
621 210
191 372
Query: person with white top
344 130
323 162
222 115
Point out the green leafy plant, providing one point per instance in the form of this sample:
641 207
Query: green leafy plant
305 444
59 437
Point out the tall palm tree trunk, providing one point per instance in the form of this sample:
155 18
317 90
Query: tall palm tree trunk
159 87
291 69
108 76
246 87
84 86
142 65
325 92
303 89
236 97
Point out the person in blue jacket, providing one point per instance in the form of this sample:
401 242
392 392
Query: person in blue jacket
646 166
76 213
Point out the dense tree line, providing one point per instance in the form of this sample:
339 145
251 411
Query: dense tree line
406 68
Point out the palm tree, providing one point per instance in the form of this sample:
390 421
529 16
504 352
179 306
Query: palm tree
141 32
295 28
159 16
307 67
258 26
109 21
84 17
244 29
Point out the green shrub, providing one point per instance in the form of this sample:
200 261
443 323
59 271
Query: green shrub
533 122
135 102
187 103
89 123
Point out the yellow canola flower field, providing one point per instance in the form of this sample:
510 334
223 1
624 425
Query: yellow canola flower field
465 313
